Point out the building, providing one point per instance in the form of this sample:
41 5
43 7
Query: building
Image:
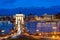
46 23
34 24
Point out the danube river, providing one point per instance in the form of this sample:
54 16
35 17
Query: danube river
6 27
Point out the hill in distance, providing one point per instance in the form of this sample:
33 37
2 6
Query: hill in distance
34 10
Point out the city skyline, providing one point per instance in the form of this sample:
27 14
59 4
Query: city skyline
31 19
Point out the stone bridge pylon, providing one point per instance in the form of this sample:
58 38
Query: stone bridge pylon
19 21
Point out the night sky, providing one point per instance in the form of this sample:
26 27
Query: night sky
13 4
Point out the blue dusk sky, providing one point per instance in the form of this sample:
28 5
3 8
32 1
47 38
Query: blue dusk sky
13 4
28 3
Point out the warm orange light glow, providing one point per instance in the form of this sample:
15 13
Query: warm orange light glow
20 17
54 32
39 33
53 36
23 28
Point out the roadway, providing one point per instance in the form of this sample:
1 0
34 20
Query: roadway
45 37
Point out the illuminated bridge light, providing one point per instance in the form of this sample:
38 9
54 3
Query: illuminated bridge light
53 36
40 34
39 25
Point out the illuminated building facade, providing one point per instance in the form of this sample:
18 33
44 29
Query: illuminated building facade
36 24
45 23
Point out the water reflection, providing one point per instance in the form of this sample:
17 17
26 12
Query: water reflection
6 26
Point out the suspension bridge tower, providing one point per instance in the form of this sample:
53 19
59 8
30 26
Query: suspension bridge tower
19 21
